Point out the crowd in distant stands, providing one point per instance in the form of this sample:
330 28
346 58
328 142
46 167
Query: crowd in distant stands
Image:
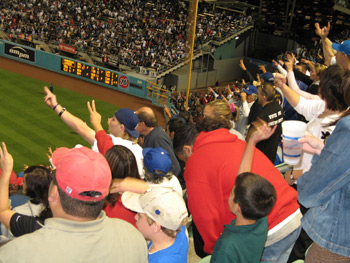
311 54
137 33
240 204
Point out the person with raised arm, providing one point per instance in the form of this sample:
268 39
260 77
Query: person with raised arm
122 128
320 111
79 228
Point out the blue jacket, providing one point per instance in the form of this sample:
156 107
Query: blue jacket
325 189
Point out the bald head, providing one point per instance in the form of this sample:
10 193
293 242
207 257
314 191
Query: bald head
147 115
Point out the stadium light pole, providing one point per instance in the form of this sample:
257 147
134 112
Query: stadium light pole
190 37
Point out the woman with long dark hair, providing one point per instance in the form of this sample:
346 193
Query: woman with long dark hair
123 164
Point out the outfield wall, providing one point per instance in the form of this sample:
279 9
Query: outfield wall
85 71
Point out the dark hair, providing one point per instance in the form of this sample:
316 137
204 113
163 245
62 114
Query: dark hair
269 91
123 164
303 66
186 115
157 177
78 208
185 135
175 123
211 124
346 87
334 81
150 119
37 182
255 195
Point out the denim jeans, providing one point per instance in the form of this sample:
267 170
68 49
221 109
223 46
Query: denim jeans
279 252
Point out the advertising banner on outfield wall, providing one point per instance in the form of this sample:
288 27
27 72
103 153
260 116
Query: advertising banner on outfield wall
67 48
19 52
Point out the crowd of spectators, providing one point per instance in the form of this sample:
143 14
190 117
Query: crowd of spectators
132 32
311 86
315 84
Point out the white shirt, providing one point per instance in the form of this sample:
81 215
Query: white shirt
132 146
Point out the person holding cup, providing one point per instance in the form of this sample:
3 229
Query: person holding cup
320 111
325 189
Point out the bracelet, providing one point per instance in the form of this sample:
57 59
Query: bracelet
61 112
55 106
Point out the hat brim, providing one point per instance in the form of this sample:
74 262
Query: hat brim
336 47
131 201
57 155
248 92
133 133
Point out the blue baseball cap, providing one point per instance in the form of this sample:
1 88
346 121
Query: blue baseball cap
129 119
343 47
267 77
156 159
251 89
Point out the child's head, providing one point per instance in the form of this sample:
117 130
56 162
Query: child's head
157 164
36 182
159 208
254 195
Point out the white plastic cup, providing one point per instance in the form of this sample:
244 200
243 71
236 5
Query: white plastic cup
292 131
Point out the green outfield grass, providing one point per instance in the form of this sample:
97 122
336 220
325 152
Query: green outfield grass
28 126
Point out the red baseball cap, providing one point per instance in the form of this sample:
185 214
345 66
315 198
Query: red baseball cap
82 173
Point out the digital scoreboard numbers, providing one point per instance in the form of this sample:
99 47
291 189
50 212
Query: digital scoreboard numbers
89 72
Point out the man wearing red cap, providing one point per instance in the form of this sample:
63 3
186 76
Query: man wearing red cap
79 229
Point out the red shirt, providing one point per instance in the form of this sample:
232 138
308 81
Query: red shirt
210 175
119 211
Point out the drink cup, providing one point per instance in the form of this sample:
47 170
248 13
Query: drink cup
292 131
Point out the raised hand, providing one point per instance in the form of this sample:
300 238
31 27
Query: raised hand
50 98
49 153
95 117
6 160
274 63
242 66
323 33
280 80
262 68
262 133
210 90
289 63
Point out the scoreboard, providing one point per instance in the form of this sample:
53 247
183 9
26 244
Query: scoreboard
89 72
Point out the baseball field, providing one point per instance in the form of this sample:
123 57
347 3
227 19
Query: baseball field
28 126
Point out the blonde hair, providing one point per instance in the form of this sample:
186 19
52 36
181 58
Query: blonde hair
168 232
221 109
